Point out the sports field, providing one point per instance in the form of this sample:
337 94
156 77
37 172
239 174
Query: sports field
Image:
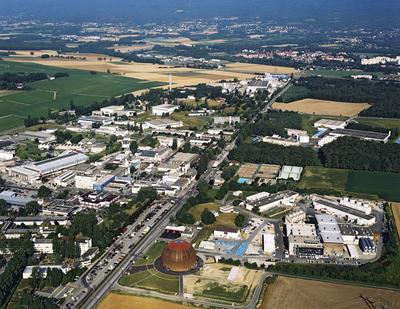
124 301
292 293
386 185
81 87
323 107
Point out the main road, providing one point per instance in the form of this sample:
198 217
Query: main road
95 294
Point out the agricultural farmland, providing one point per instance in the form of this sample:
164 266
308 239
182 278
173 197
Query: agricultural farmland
124 301
361 183
81 88
396 216
323 107
292 293
386 185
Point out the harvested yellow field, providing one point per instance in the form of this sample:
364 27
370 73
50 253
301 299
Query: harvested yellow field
123 301
396 215
292 293
170 42
154 72
323 107
259 68
131 48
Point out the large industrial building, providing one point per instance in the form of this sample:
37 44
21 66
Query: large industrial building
32 172
345 212
330 234
285 198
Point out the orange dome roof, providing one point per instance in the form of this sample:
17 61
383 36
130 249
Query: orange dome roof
179 256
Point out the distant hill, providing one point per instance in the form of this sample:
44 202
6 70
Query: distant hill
374 13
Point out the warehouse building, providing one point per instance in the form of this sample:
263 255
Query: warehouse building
285 198
30 173
345 212
164 109
330 124
331 236
364 135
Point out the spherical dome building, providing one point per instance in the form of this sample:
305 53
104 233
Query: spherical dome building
179 256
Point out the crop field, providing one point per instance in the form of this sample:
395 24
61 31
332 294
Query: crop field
152 279
124 301
323 107
396 215
293 293
318 177
386 185
159 73
81 87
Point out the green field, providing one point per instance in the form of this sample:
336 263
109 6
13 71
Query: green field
152 280
197 122
295 93
152 254
387 123
81 87
223 292
386 185
363 184
318 177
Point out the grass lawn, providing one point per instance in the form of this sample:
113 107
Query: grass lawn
198 122
225 219
389 123
193 103
215 290
151 254
203 234
81 87
318 177
386 185
14 303
295 93
197 210
152 280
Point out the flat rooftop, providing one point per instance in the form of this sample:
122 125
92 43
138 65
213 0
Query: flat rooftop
361 134
346 209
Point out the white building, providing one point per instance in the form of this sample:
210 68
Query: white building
268 243
168 141
296 216
330 124
30 173
286 198
164 109
226 233
162 124
43 270
290 172
226 120
43 245
84 244
344 212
